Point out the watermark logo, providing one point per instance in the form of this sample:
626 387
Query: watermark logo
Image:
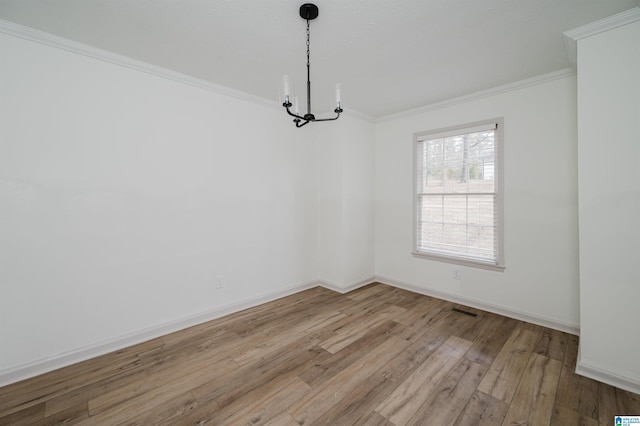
627 421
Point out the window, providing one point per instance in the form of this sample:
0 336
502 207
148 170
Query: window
458 194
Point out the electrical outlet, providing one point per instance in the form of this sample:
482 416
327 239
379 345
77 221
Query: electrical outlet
457 274
219 283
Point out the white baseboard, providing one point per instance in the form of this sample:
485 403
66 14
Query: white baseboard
48 364
45 365
478 304
342 289
614 379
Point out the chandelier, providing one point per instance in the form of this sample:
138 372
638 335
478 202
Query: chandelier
308 11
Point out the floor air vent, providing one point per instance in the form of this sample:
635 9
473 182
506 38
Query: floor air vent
462 311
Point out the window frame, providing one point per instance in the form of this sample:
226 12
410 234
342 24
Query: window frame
499 264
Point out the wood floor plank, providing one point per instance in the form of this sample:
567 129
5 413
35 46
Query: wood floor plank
365 307
192 373
273 343
577 393
283 419
322 398
563 416
415 354
418 329
269 407
451 395
363 400
237 383
109 409
490 341
167 414
358 403
401 354
505 372
18 396
403 403
616 402
406 299
208 330
29 415
84 394
345 336
69 415
191 350
571 353
355 330
465 326
261 405
332 365
533 401
228 393
305 314
552 344
482 410
423 315
264 316
368 291
373 419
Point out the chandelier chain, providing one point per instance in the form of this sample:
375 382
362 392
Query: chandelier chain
308 43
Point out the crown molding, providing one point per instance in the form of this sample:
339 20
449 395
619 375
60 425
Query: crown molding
62 43
571 37
51 40
522 84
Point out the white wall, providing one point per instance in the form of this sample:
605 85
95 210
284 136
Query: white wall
345 202
609 174
124 195
540 282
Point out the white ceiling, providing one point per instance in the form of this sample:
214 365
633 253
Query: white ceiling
388 55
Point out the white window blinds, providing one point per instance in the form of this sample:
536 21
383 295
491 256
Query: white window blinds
457 196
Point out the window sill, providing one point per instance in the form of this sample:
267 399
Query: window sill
459 261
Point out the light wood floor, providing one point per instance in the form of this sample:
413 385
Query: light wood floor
375 356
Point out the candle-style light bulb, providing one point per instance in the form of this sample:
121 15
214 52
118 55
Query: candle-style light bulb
338 95
286 88
296 106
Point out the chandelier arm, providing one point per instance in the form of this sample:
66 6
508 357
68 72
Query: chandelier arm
300 125
292 114
328 119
